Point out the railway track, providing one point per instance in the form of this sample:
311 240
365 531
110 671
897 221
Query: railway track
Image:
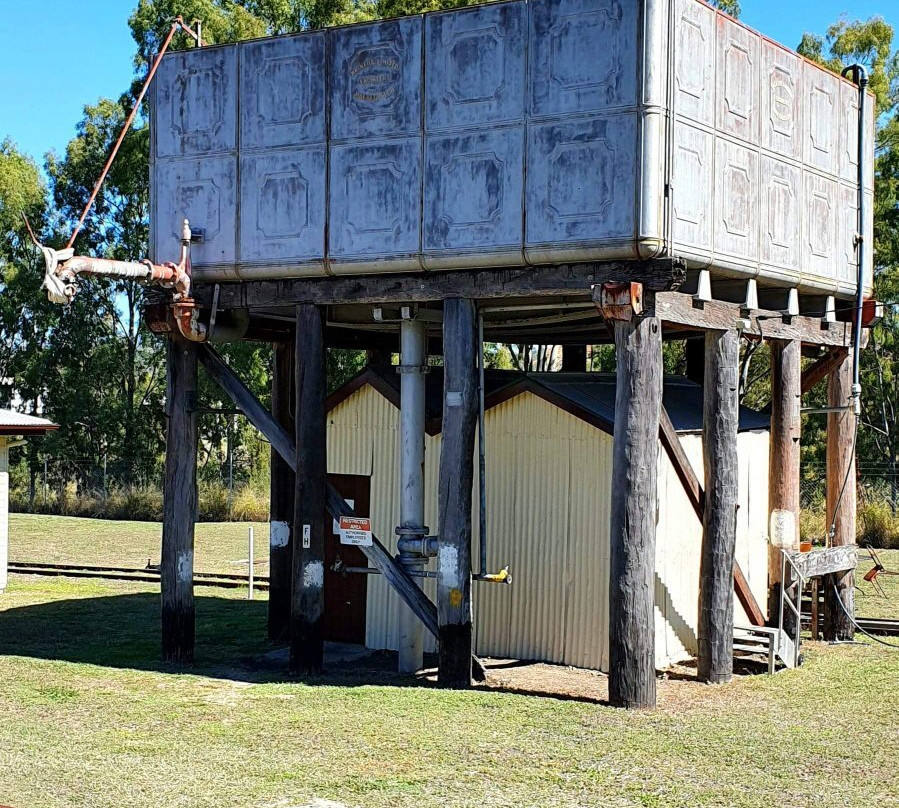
227 580
150 574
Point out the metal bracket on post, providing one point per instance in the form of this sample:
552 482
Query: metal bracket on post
619 301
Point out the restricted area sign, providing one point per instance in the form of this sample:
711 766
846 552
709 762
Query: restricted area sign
355 530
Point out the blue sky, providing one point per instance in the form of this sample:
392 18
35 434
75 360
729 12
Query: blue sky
56 55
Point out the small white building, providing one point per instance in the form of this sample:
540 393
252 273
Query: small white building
14 427
549 472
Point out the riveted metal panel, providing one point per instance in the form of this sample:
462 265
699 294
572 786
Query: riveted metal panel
473 186
475 66
822 226
869 236
583 55
282 212
282 91
849 133
780 214
203 191
738 80
871 126
375 208
847 255
693 185
781 101
196 102
581 180
822 119
694 61
376 79
736 200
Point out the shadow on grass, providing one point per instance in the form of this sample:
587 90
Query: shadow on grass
123 631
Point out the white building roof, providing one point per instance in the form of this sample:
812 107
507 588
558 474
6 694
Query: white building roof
17 423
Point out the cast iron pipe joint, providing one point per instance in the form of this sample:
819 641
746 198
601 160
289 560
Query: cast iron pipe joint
414 544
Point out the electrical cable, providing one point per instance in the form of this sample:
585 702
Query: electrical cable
857 626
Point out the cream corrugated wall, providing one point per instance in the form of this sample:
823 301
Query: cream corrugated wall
679 541
549 489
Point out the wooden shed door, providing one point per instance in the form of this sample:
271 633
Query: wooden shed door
345 593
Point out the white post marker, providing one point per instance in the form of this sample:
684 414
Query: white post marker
355 530
250 563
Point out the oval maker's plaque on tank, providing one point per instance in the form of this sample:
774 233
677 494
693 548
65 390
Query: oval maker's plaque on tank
376 80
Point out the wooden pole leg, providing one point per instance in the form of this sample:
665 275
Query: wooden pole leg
783 482
841 500
281 499
308 593
720 424
460 415
632 675
179 502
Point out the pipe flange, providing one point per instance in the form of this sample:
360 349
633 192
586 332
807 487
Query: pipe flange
412 531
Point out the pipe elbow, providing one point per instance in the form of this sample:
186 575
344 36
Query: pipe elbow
187 321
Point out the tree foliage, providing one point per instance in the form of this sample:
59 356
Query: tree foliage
732 7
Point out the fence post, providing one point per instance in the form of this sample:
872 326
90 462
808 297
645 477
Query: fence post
250 563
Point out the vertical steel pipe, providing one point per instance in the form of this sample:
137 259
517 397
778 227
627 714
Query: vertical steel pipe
860 75
412 368
482 455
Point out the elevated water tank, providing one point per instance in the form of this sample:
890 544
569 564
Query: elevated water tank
510 134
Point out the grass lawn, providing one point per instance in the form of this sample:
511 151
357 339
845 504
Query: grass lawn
88 717
100 542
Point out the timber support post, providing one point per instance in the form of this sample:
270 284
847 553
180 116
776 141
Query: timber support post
720 425
841 500
460 416
308 593
783 483
638 398
281 498
179 502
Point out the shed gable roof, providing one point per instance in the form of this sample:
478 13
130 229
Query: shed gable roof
17 423
588 396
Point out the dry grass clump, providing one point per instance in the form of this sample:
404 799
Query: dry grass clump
143 503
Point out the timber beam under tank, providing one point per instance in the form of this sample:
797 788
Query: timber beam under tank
656 275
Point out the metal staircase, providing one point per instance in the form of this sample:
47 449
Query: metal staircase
777 643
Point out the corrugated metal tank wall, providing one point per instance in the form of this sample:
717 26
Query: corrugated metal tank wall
549 476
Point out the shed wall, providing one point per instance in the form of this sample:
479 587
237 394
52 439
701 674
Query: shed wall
549 495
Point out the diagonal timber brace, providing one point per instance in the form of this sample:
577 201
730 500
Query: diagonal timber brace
336 505
693 488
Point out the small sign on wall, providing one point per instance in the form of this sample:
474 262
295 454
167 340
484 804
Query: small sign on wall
355 530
